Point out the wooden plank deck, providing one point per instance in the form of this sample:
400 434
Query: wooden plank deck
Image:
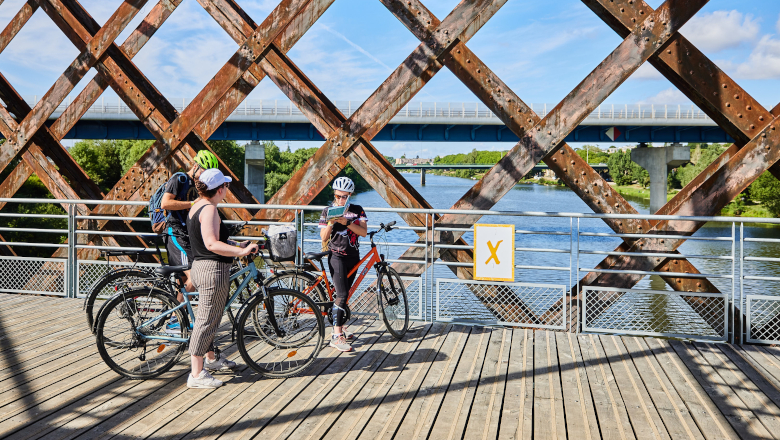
442 381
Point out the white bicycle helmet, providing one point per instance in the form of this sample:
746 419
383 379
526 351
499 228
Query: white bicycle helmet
344 184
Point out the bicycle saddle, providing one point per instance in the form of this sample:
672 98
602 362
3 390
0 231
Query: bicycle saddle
317 256
170 270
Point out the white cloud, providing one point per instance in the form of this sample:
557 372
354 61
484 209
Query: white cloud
721 30
646 71
763 62
668 96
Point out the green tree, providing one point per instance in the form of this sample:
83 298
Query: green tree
232 155
100 160
593 154
639 174
473 157
766 189
131 151
621 168
701 157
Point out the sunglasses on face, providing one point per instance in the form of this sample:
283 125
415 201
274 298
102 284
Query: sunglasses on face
338 197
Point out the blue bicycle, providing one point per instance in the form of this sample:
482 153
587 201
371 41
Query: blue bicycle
277 331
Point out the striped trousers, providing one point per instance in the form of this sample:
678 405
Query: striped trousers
212 279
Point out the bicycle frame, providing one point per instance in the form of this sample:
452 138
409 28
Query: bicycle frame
372 258
251 269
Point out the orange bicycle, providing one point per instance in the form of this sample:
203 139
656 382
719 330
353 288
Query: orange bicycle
390 291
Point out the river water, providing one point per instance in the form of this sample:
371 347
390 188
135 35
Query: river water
443 192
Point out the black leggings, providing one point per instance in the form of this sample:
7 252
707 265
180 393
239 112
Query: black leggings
340 266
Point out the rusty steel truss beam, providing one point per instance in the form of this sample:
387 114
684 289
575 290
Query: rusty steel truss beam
713 91
516 115
649 35
326 118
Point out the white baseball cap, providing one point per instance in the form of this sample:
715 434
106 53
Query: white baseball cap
213 178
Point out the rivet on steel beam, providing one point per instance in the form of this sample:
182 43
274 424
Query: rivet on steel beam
752 127
749 107
736 96
739 115
669 51
760 118
725 86
728 104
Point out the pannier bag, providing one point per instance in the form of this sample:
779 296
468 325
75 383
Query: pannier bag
283 242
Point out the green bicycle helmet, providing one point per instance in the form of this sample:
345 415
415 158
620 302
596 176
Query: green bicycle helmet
206 159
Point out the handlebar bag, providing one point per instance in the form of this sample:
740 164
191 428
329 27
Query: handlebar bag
283 242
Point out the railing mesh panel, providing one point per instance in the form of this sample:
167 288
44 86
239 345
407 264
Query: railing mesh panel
90 271
364 301
654 312
764 319
485 302
30 275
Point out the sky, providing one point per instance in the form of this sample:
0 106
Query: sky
541 51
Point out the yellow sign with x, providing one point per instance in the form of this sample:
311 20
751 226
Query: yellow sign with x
494 252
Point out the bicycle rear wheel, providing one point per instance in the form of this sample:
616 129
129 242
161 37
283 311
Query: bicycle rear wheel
120 340
393 305
108 285
299 281
284 335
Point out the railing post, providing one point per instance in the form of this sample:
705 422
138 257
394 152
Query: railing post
71 264
733 279
580 320
424 280
741 281
433 266
571 273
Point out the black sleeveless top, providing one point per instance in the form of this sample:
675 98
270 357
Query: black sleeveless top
199 249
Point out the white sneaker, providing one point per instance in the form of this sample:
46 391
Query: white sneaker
340 343
220 364
204 380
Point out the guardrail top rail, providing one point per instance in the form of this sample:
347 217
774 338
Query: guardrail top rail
419 109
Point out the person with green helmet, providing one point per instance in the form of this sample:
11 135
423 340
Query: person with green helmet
180 195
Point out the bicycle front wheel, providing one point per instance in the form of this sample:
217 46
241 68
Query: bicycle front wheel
122 340
108 285
284 334
393 305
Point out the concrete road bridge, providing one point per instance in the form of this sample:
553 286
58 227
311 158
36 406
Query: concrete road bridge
282 120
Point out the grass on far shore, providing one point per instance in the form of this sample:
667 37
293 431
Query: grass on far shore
733 209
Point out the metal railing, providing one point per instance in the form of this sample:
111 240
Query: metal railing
551 256
416 110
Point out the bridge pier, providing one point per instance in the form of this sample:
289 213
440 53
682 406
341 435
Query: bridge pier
422 176
658 161
254 169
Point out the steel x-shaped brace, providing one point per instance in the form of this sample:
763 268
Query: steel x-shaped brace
648 35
